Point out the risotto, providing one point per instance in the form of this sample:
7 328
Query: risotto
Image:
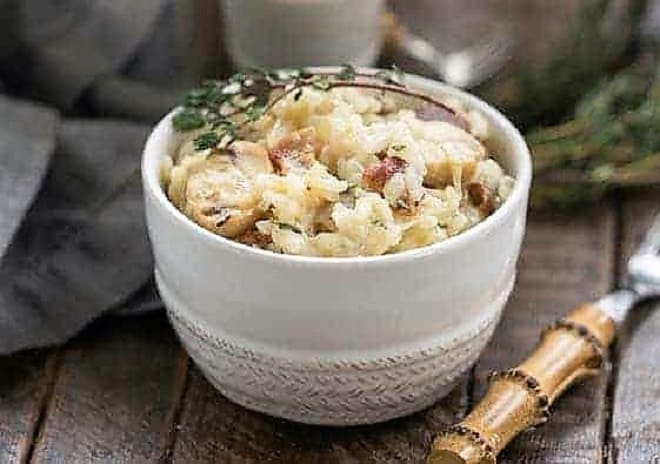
342 171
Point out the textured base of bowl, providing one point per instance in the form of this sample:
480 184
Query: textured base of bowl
334 418
333 391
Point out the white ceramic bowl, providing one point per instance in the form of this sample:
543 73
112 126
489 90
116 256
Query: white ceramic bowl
337 341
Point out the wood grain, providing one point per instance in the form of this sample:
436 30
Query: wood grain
635 428
212 429
566 260
115 396
26 378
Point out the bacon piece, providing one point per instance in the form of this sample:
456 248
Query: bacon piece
298 149
376 175
481 197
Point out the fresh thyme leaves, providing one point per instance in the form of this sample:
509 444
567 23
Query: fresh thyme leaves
223 108
611 142
188 120
347 73
321 82
197 97
206 140
253 113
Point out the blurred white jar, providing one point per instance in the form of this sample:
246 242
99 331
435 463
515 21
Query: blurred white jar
290 33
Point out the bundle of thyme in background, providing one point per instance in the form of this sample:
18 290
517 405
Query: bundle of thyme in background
612 142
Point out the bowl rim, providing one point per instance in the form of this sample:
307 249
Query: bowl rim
517 199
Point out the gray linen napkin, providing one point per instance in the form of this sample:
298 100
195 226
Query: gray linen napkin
79 248
68 44
82 246
27 139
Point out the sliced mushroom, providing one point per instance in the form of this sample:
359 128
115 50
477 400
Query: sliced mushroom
251 158
228 222
222 199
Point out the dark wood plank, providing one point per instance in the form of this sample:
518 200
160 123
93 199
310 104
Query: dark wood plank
24 386
212 429
115 395
566 260
635 424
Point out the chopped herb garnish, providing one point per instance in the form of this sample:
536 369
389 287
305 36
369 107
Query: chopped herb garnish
254 112
347 73
197 97
398 148
321 82
297 94
188 120
206 140
238 77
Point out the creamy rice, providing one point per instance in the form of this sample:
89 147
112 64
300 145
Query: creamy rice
343 172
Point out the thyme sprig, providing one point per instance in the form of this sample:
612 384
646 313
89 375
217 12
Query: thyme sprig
611 142
221 108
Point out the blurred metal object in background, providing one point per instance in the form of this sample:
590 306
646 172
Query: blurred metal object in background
465 68
556 49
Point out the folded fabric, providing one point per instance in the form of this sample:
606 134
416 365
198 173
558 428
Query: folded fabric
69 44
81 248
73 243
27 139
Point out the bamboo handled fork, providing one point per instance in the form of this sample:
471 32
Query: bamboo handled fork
569 350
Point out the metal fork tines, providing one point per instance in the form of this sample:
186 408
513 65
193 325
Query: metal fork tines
642 278
644 265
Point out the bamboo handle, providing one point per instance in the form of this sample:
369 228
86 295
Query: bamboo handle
519 398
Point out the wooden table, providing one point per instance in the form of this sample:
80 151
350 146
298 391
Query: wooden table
125 392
